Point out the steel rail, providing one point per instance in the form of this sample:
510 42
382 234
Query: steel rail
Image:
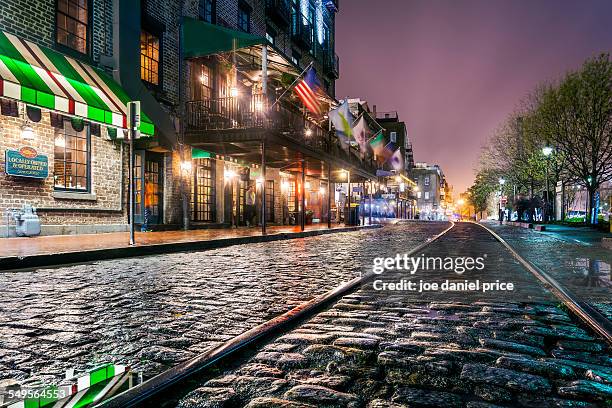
587 313
182 371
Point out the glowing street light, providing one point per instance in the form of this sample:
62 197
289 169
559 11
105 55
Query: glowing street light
547 151
502 181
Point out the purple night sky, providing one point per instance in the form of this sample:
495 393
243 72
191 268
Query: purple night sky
454 69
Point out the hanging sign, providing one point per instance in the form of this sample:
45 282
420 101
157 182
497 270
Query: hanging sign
26 162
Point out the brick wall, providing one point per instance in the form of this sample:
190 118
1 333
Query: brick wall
104 203
34 20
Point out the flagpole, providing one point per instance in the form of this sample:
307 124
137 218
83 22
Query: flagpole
292 84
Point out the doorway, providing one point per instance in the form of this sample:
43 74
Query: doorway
148 185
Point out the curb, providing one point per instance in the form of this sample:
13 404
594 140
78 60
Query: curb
17 262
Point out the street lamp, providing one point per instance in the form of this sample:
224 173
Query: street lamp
547 151
502 181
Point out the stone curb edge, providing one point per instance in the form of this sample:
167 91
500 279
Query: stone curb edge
12 263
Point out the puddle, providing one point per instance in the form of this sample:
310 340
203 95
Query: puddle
590 273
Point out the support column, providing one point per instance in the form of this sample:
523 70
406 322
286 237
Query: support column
347 215
263 186
329 194
363 199
371 194
303 197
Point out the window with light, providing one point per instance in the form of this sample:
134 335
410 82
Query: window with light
71 158
72 24
149 58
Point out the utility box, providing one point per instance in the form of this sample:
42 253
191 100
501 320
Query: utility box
27 223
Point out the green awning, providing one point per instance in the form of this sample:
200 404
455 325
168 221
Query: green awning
45 78
200 38
200 154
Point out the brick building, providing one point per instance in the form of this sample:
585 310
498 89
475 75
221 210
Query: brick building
433 193
207 111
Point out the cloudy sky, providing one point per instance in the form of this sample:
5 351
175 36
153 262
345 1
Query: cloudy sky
454 69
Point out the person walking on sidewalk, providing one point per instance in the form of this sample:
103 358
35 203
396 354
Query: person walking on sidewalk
249 205
148 199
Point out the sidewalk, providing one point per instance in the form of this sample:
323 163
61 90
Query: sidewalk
579 235
17 253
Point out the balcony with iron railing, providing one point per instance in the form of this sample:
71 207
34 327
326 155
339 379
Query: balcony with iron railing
279 11
301 31
331 64
258 112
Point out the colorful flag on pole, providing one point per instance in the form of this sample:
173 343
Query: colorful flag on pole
387 152
341 119
308 90
377 143
362 132
397 160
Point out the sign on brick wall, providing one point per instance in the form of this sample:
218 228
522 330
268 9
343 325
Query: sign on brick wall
26 162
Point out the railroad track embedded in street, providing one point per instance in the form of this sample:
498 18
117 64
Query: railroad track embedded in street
232 349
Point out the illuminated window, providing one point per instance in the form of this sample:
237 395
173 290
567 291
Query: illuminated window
418 194
71 158
427 195
72 24
426 180
149 58
393 137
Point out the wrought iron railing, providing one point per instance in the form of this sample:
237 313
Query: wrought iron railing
301 31
279 11
331 63
255 111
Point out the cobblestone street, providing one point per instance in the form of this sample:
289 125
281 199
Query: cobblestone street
153 312
399 349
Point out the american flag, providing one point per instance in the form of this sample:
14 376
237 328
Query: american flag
308 90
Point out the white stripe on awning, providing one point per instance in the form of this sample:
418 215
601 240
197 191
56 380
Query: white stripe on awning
93 86
60 78
106 88
43 74
6 73
12 90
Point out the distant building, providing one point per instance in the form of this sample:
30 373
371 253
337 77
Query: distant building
432 191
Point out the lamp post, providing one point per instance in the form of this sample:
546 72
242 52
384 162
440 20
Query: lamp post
547 151
502 181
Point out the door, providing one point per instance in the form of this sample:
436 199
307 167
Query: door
203 204
148 186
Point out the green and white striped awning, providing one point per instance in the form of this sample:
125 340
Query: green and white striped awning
48 79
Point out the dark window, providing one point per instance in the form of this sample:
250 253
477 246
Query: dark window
149 58
295 57
207 10
72 24
71 158
271 35
244 17
203 191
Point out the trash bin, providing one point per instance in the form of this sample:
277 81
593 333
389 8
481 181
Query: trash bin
353 218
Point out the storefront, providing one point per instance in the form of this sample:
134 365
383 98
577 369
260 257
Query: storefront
62 123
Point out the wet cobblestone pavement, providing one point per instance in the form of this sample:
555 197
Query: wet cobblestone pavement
154 312
400 349
585 269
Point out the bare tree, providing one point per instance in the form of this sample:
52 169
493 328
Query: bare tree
576 115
